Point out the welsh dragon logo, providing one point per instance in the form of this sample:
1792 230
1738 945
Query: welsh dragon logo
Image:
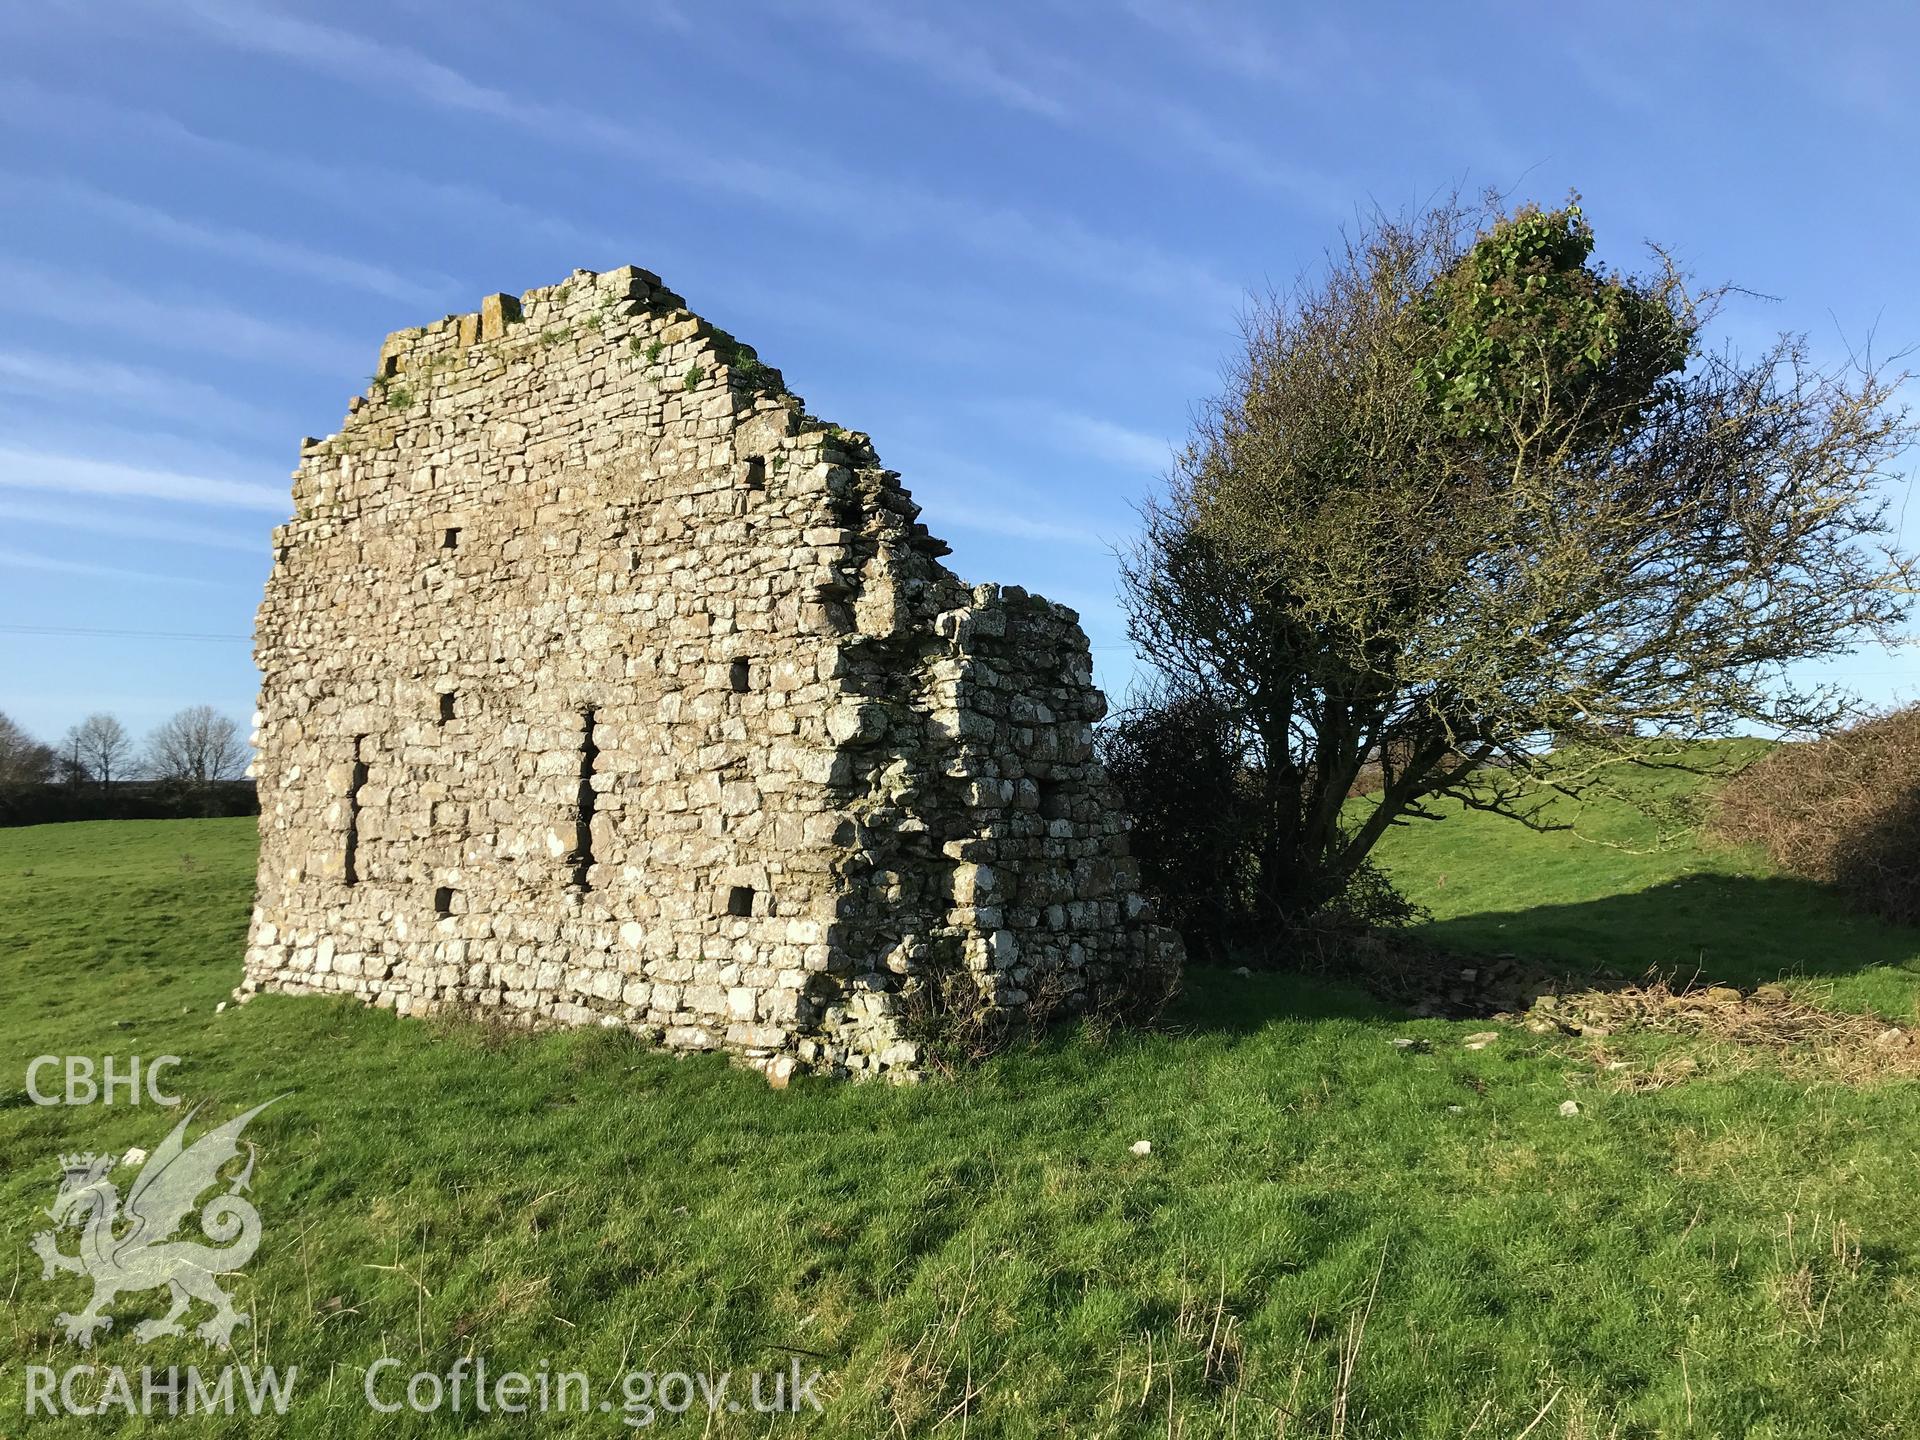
132 1246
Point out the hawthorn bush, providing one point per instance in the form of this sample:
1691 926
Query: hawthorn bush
1843 810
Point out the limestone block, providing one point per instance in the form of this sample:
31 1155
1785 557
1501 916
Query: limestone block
496 313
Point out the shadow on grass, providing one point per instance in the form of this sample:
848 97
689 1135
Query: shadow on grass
1695 931
1221 1001
1731 929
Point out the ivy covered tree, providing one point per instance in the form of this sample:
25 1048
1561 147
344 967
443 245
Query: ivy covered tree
1470 496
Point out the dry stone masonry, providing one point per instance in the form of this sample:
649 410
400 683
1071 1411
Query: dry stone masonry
604 685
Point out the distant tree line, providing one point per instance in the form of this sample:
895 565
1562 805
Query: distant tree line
190 764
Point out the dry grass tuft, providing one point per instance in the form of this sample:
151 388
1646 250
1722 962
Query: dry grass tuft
1813 1261
1737 1030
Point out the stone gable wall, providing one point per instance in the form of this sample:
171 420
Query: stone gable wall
603 685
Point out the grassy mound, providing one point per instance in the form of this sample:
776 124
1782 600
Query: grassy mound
1637 894
1332 1234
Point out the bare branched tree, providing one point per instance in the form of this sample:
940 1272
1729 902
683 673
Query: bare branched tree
1468 497
197 745
23 760
69 768
101 747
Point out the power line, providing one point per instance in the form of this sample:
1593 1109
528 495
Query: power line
116 634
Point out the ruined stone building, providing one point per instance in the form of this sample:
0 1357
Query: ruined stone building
602 684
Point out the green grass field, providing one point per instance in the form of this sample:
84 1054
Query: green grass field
1332 1235
1622 890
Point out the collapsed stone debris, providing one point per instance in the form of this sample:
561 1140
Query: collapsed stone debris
604 685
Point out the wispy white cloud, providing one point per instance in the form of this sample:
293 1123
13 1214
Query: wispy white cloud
1247 44
365 188
901 316
230 242
1090 437
24 560
952 512
1115 444
79 475
1331 57
908 37
105 382
1066 245
103 521
1253 161
662 15
352 57
993 61
393 70
796 185
95 302
959 494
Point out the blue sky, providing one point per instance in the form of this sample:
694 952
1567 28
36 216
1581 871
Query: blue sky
1009 241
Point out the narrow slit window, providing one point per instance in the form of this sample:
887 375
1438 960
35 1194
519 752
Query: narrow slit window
589 760
740 675
446 706
755 475
350 868
740 900
443 901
